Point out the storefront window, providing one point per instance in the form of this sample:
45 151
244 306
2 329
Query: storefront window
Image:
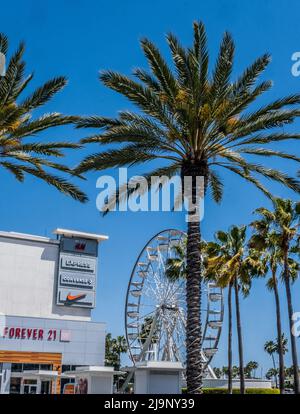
15 386
46 367
30 386
16 367
30 367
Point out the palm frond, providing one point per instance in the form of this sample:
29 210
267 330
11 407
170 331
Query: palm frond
216 186
44 93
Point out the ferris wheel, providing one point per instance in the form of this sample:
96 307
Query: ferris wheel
155 310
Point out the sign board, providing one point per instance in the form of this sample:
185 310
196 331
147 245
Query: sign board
78 263
81 246
77 272
77 280
35 334
69 388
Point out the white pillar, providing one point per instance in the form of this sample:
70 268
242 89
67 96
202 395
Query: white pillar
158 377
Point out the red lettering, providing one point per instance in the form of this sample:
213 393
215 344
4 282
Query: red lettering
28 333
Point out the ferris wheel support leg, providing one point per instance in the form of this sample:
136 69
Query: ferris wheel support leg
142 354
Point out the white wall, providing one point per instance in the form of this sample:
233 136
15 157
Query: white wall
249 383
164 383
86 345
100 385
157 382
28 271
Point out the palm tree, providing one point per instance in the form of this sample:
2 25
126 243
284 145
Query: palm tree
120 347
284 221
270 348
218 372
251 368
114 347
192 121
272 372
17 155
218 256
266 241
234 267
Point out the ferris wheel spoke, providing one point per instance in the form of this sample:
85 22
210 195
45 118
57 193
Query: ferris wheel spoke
145 315
177 288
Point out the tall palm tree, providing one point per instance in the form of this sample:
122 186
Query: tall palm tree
193 121
284 220
235 266
266 241
218 256
17 155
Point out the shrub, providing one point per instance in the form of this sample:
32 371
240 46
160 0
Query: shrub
237 391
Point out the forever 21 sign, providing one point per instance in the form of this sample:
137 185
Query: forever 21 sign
33 334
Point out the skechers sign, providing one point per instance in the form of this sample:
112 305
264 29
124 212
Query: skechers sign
76 284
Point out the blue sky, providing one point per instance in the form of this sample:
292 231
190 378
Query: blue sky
77 39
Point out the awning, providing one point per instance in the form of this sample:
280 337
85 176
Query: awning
37 374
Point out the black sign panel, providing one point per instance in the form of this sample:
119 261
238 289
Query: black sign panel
79 246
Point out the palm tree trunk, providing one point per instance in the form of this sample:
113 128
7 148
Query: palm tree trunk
193 300
290 313
240 339
279 334
194 363
275 370
230 338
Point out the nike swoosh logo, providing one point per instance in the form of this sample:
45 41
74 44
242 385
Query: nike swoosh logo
71 298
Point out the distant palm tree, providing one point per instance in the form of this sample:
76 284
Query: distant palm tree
17 155
234 266
192 121
272 373
270 348
120 347
114 347
218 372
284 220
250 369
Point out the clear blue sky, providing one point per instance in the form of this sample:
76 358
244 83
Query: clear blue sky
78 38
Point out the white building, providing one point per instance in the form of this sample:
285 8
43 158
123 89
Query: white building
47 292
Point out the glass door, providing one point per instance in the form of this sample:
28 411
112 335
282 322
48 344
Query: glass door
46 387
30 386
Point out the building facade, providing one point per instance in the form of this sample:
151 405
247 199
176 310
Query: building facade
47 293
